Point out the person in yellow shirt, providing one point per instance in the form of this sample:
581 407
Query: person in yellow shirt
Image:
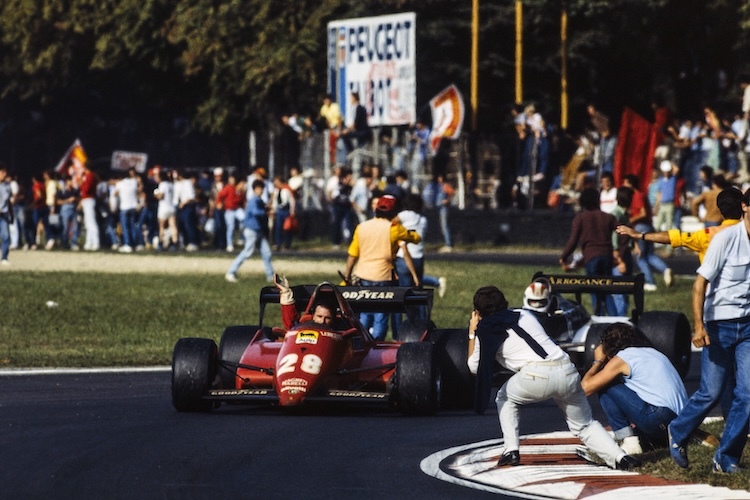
373 250
729 203
331 119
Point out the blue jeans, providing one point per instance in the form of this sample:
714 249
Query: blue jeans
623 407
281 237
127 222
377 321
730 344
600 265
444 227
233 220
648 257
189 221
4 236
617 303
68 218
42 214
341 217
405 279
253 240
147 217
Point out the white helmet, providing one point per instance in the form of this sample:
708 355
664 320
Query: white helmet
537 295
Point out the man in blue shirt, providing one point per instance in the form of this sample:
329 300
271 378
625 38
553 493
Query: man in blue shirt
721 315
255 234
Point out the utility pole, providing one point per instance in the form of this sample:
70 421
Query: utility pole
474 63
519 52
564 66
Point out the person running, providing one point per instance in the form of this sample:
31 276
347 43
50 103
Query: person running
255 234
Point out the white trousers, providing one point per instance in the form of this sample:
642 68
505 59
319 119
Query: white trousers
89 222
557 380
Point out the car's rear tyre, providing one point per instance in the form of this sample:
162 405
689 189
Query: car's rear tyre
193 373
232 345
593 339
417 379
412 331
670 333
456 381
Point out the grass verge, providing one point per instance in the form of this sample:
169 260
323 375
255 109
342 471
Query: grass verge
135 319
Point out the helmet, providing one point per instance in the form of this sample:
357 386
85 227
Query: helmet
536 297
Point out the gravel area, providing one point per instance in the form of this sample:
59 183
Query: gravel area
165 263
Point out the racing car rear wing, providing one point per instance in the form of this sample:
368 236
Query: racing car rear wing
580 284
361 298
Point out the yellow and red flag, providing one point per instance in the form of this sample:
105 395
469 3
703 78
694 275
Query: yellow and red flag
72 162
447 116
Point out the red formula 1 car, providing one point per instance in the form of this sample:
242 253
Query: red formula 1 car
317 363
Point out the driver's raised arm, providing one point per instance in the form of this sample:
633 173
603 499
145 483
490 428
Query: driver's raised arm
289 314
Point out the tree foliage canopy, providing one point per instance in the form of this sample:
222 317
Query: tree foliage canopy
232 65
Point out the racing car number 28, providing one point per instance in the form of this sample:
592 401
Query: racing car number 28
310 363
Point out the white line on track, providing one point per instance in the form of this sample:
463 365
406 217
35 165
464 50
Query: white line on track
9 372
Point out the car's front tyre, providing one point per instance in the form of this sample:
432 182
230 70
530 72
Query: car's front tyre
193 373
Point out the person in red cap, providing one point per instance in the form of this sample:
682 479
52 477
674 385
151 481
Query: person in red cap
373 249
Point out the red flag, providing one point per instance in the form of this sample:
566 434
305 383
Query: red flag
72 162
636 145
447 116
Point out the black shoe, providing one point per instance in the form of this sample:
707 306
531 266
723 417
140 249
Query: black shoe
627 463
510 458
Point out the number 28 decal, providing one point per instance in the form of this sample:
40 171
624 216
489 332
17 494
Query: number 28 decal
310 364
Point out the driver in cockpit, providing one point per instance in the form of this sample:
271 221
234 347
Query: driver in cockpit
538 299
322 314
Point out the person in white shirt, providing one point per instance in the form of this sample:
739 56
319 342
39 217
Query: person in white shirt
165 211
516 340
127 191
608 193
184 199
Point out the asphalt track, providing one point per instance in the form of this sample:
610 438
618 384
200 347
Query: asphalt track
115 435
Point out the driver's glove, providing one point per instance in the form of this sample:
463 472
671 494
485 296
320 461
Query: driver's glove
286 297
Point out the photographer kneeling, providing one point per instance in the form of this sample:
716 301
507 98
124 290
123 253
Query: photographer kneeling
639 389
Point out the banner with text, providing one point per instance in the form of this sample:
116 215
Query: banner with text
122 161
376 57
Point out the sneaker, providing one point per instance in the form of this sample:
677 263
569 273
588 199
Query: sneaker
192 247
509 458
125 249
50 245
441 286
631 445
75 248
731 469
649 287
230 248
445 249
115 246
627 463
230 278
4 262
155 242
140 248
668 277
678 453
